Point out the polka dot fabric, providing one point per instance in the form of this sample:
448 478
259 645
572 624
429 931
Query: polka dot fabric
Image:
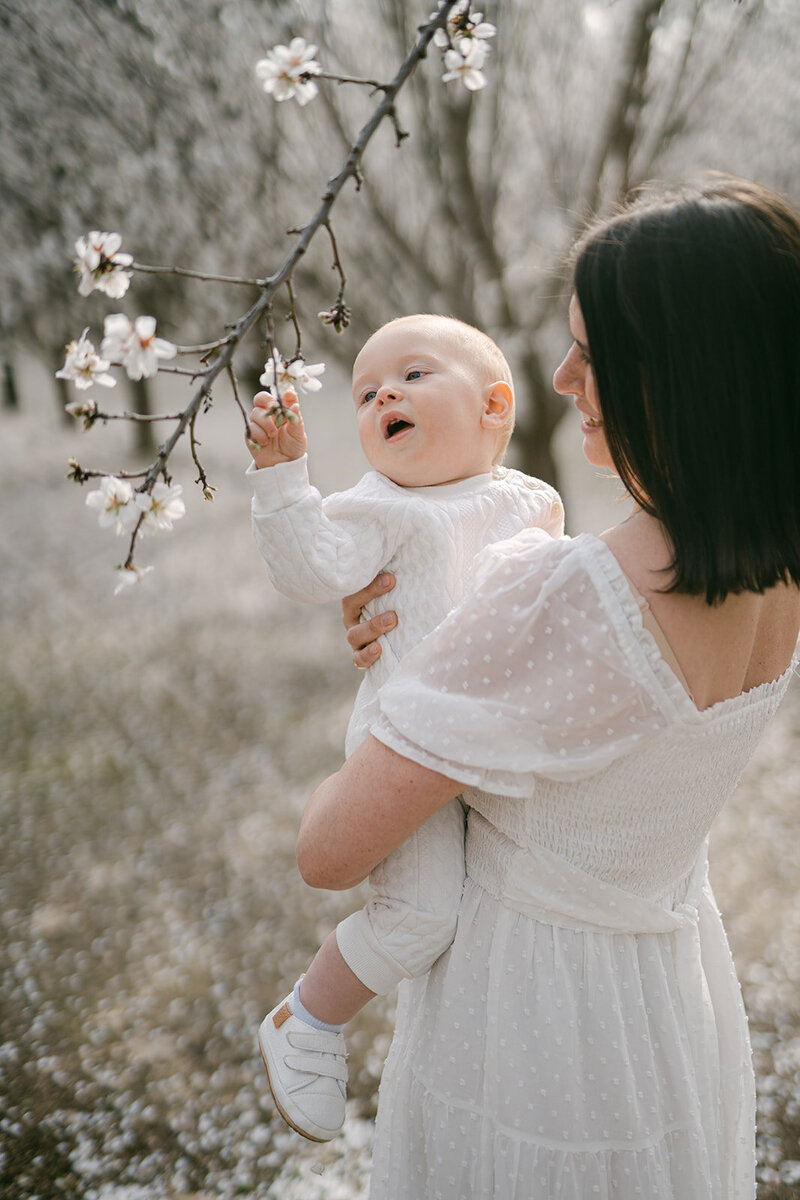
584 1035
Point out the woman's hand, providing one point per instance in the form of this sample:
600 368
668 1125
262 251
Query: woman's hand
363 635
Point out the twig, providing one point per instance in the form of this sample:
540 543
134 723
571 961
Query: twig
337 262
133 416
235 386
204 349
185 273
373 83
261 307
128 564
80 475
180 371
298 346
201 477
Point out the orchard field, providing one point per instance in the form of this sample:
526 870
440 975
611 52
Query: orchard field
157 750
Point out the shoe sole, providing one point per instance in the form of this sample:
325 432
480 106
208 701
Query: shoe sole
303 1133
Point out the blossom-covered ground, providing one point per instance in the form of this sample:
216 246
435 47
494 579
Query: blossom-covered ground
157 751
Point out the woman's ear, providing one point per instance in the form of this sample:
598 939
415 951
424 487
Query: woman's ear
498 403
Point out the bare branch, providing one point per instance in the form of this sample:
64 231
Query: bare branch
235 387
615 143
298 345
690 104
185 273
134 416
320 218
201 475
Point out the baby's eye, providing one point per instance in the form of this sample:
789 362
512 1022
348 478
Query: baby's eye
365 399
415 374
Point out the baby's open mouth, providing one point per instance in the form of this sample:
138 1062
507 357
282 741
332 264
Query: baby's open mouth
394 426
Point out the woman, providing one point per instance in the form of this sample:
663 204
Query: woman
596 700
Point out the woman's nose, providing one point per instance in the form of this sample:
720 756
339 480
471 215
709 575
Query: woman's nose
567 380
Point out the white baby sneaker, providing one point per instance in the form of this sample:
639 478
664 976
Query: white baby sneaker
307 1072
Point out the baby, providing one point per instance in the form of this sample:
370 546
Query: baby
435 409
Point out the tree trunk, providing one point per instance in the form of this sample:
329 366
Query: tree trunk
533 436
610 172
534 433
10 393
144 443
64 394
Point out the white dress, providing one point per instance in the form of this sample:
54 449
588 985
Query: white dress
584 1036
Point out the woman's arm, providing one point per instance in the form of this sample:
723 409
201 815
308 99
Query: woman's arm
357 816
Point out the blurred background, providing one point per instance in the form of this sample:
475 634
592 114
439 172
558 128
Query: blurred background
157 747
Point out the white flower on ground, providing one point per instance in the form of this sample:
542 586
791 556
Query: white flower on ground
283 72
464 62
296 374
462 23
162 506
83 366
134 345
113 502
128 576
101 266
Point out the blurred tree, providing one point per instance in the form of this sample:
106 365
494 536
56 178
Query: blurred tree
125 115
584 102
145 118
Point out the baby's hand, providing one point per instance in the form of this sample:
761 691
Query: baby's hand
275 438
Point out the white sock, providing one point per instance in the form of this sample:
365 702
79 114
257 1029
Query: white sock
300 1011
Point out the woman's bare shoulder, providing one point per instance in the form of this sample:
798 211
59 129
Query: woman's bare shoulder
723 649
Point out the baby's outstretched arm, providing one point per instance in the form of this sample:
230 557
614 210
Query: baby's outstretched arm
274 439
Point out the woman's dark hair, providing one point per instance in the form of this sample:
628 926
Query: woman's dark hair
692 310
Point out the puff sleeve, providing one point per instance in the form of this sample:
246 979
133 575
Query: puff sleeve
533 674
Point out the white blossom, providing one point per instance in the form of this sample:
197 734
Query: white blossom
134 345
296 374
162 506
462 24
101 266
128 576
283 72
464 62
113 502
82 408
83 366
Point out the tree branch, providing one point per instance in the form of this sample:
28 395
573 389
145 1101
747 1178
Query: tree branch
350 170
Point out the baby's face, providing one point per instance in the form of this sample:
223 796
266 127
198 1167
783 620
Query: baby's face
419 407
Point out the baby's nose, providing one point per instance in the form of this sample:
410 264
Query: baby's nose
387 394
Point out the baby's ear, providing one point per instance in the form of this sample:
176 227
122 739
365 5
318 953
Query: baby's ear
498 402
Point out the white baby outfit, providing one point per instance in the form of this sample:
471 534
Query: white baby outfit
584 1035
320 550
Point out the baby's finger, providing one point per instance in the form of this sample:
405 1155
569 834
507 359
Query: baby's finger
254 434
